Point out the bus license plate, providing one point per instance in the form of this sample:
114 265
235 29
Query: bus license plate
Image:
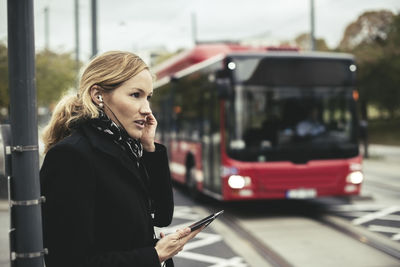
301 193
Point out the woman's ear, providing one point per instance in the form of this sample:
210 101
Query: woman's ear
96 94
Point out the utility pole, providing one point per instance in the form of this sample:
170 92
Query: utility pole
94 28
25 201
77 61
194 28
312 20
46 28
77 36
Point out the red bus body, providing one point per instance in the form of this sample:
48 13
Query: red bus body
274 180
264 180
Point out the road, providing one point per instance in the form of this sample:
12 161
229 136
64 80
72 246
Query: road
283 233
379 210
291 233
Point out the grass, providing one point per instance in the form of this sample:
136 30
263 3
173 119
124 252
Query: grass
384 131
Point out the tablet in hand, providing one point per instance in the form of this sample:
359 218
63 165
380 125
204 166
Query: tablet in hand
205 221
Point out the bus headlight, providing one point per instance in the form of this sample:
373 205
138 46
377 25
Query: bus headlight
238 181
355 177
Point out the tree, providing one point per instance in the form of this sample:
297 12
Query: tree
383 82
304 42
55 74
4 98
373 38
393 40
371 27
380 84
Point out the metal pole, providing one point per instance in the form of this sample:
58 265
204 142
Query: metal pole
312 20
77 62
46 28
94 28
194 28
25 196
77 35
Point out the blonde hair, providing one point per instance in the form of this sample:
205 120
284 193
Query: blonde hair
108 71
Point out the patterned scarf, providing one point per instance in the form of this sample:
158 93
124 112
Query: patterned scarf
119 135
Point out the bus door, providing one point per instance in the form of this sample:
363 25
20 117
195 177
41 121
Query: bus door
206 139
211 140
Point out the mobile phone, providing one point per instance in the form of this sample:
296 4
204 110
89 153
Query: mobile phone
205 221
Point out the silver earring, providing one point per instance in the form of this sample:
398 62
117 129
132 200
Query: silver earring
101 105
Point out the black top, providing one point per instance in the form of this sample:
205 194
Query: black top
97 210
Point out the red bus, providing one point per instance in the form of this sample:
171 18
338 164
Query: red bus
260 123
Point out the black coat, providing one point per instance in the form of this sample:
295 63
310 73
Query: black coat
97 210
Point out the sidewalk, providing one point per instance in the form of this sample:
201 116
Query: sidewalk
383 160
384 153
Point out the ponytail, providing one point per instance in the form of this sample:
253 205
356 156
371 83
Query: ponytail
66 116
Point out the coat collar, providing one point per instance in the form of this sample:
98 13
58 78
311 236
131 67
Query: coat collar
106 145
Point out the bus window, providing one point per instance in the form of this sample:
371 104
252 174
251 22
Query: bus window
284 123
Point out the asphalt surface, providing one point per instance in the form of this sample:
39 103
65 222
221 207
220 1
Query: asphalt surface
208 248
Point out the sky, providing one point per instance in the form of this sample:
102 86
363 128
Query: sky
135 25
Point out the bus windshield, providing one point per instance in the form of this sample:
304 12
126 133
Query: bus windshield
291 123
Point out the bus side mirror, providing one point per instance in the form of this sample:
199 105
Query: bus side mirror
223 84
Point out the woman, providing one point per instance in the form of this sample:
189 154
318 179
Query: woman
106 181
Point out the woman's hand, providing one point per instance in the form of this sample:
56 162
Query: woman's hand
168 246
149 133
